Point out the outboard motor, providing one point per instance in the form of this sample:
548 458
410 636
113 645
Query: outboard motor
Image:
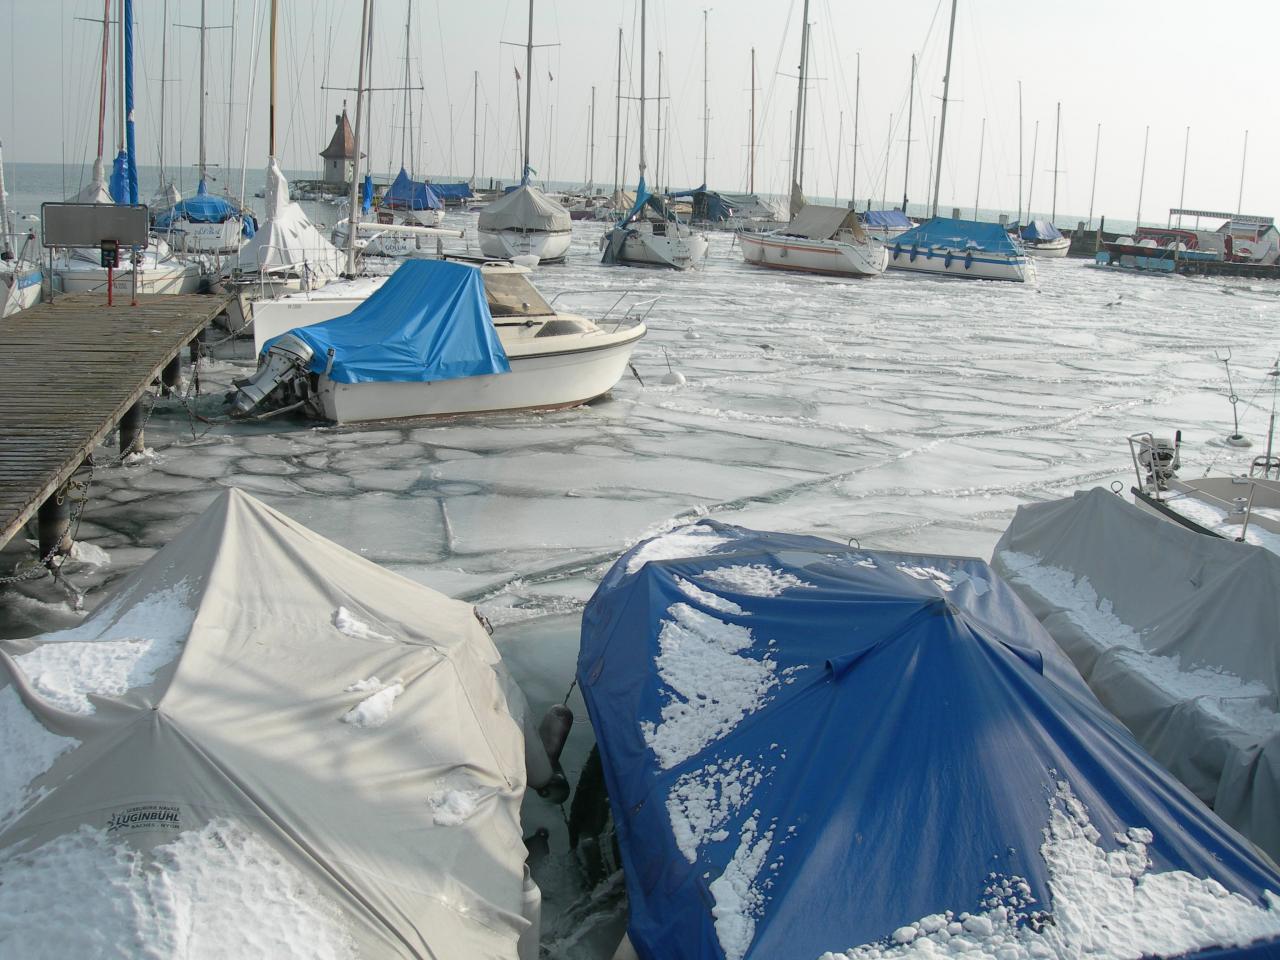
1159 457
287 357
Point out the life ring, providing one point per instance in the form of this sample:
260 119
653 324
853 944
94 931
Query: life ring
968 259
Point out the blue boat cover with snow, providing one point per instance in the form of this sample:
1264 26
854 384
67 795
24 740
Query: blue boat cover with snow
204 207
812 748
1040 230
429 321
886 218
959 235
406 194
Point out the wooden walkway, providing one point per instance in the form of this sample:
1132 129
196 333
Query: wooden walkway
69 370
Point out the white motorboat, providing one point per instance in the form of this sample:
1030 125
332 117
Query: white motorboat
525 222
819 240
287 251
436 338
1041 238
965 249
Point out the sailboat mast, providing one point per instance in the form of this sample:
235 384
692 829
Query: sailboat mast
528 94
642 32
1243 157
857 104
271 110
1031 182
203 92
657 153
1097 142
6 226
591 164
404 108
617 121
475 120
706 111
353 197
982 142
231 94
1142 180
835 190
1019 151
164 59
946 91
751 158
888 148
795 142
911 95
1182 192
1057 134
102 95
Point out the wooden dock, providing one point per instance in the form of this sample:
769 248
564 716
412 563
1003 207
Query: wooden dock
69 371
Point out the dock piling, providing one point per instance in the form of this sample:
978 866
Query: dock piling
53 521
131 438
171 376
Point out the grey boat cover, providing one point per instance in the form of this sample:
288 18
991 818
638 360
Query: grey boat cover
525 208
822 223
1176 633
262 745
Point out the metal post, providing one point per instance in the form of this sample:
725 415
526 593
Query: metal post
1182 192
982 140
1143 179
130 426
53 522
1097 142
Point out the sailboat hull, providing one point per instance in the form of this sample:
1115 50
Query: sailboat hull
188 237
673 251
548 247
19 289
963 264
1056 247
814 256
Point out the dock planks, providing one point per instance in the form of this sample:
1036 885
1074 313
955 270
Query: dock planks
69 370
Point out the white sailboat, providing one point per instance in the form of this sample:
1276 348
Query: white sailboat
79 269
526 222
818 239
287 252
651 235
20 273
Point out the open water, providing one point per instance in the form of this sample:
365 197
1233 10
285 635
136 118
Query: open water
908 413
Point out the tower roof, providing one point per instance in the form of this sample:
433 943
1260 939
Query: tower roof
343 144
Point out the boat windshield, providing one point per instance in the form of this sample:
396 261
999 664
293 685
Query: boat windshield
512 295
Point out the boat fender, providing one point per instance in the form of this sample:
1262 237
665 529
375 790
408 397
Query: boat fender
554 729
946 262
538 768
531 910
914 253
556 790
968 259
897 249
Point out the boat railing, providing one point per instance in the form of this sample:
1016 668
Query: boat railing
635 312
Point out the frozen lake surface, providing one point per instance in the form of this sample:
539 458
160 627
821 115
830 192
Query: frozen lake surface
906 412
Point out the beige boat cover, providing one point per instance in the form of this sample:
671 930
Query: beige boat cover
822 223
95 191
525 208
287 243
1174 631
622 200
207 767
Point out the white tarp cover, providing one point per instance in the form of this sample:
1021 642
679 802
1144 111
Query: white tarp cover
526 208
95 191
287 242
821 223
207 767
1176 634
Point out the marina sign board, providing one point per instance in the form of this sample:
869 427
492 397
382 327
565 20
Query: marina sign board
92 224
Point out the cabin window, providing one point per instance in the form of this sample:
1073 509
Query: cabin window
512 295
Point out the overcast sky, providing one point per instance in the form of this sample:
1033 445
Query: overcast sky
1126 66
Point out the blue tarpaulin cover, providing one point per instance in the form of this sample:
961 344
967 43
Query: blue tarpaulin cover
204 207
1040 230
406 194
959 235
366 194
886 218
823 745
120 178
452 191
429 321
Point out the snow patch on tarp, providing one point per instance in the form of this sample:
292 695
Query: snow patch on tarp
29 751
218 892
691 541
1102 904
